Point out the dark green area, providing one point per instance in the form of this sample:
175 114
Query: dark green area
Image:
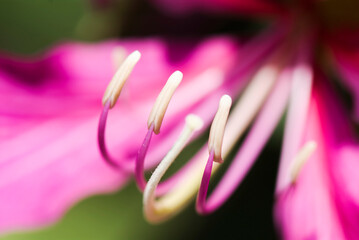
28 26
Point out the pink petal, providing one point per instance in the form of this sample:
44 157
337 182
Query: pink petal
307 209
49 114
323 202
295 122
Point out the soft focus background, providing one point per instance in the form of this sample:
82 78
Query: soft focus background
31 27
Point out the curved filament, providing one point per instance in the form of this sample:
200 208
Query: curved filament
117 164
109 100
193 123
251 148
154 123
156 210
139 168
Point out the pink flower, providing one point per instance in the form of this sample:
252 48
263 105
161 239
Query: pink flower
316 194
49 115
273 71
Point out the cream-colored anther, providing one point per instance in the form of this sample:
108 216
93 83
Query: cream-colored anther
114 88
152 209
301 158
162 101
243 113
218 126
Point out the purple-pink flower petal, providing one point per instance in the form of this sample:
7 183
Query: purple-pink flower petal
49 114
321 204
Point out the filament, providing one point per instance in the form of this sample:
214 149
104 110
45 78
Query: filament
193 123
109 100
154 124
187 187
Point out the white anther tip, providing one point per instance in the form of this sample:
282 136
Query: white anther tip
194 122
136 55
226 101
218 126
176 78
115 86
162 101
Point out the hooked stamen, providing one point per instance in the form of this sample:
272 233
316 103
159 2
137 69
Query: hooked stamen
151 208
118 81
251 147
246 109
300 159
162 101
154 124
215 146
218 126
109 100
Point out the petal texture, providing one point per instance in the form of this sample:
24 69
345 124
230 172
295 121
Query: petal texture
49 114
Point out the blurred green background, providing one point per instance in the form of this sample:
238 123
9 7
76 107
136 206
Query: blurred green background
29 27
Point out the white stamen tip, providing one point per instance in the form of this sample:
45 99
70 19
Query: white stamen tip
162 101
194 122
301 158
218 126
118 81
226 102
176 77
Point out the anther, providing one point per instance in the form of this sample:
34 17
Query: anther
114 88
300 159
218 126
162 101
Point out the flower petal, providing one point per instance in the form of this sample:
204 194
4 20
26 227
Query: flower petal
49 114
322 203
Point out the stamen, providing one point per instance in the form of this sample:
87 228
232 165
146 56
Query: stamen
301 158
162 101
251 147
186 188
154 124
151 208
218 126
114 88
110 97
